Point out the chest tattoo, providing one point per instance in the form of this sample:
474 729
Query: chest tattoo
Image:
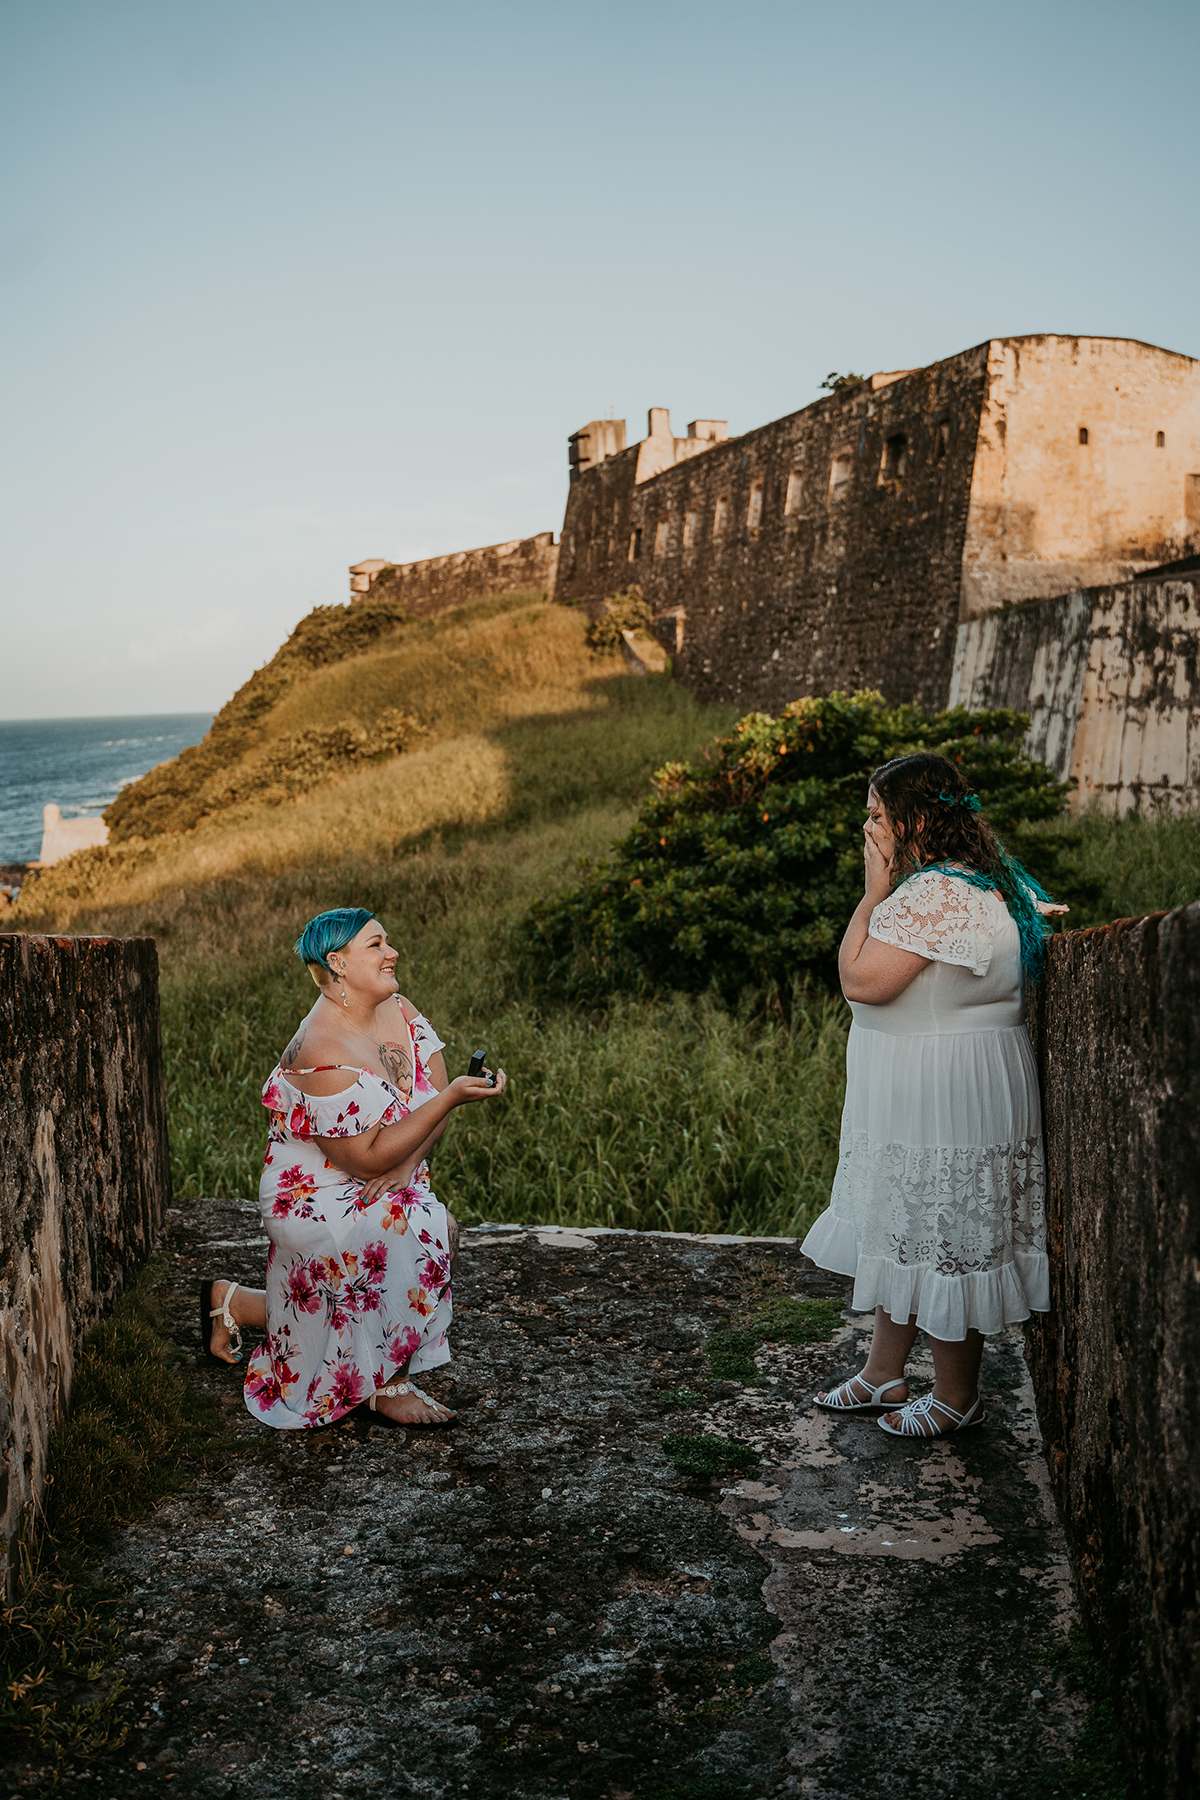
396 1063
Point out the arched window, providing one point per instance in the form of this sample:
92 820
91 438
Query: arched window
1083 437
1160 439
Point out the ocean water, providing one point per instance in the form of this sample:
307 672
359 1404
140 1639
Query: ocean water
80 763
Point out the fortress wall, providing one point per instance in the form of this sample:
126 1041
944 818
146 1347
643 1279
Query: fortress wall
1116 1361
1111 679
84 1178
1050 513
523 565
823 550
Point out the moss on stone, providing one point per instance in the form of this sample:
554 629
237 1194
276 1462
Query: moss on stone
708 1454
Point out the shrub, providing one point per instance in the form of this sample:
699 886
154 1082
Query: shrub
622 612
742 869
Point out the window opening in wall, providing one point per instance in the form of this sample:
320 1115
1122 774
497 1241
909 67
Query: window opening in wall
1083 436
616 512
895 458
1160 440
839 474
662 532
795 493
691 525
635 544
721 516
754 510
941 441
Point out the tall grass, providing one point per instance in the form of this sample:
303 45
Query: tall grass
1142 864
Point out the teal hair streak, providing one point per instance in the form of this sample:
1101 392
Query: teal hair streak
1021 900
330 931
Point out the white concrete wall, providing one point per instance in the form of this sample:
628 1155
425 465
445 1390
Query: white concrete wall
60 837
1110 679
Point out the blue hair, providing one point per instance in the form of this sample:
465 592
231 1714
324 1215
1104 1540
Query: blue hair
330 931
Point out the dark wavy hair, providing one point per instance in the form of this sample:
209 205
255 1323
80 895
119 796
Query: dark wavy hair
936 820
929 808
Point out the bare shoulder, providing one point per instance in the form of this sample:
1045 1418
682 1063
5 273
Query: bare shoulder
315 1047
410 1011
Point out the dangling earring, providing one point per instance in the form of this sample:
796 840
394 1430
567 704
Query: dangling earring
345 1001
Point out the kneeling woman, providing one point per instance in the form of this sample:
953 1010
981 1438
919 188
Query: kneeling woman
938 1205
358 1273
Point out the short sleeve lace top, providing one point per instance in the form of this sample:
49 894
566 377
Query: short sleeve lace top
936 915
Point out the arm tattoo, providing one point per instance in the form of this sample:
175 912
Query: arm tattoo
291 1056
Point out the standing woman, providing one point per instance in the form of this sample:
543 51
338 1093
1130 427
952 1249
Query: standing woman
358 1273
938 1204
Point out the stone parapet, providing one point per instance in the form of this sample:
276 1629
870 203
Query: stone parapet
1116 1362
523 565
85 1172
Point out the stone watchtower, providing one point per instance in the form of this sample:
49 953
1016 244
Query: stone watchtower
842 545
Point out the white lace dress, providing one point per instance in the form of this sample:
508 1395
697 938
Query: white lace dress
938 1204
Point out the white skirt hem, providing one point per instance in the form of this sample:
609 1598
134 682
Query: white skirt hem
946 1306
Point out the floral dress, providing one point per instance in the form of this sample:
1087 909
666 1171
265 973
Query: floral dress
355 1288
938 1204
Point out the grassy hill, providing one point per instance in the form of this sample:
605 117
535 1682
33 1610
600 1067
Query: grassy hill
446 773
531 754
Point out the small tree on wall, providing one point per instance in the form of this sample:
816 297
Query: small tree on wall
835 382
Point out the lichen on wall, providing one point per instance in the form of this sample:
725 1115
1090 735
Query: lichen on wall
1116 1024
85 1173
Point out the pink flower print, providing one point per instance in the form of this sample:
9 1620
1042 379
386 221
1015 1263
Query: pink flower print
433 1273
406 1343
348 1387
299 1123
369 1300
375 1262
294 1188
273 1095
340 1318
302 1290
421 1302
263 1391
394 1215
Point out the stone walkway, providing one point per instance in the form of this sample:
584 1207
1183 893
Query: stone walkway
537 1604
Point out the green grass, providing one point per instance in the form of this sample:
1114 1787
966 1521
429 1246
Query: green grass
708 1454
779 1320
133 1430
1140 864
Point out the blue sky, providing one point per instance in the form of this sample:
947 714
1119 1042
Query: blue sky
287 285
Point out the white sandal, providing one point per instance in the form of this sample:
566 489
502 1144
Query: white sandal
831 1404
409 1387
914 1410
209 1312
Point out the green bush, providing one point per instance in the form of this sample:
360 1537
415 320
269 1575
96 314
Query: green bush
622 612
742 869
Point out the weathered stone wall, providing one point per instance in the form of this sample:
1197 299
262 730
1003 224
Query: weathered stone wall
842 545
1116 1362
85 1172
1087 448
523 565
820 551
1111 680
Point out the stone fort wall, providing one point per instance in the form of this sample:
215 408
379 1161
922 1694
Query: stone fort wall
842 545
523 565
84 1179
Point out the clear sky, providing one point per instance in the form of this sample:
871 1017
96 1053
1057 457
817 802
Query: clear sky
286 284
